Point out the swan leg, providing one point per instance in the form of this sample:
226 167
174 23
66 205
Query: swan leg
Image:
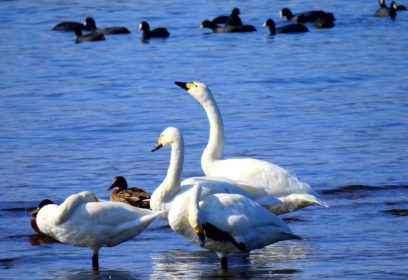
95 260
224 263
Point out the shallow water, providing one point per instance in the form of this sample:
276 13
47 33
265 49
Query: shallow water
330 105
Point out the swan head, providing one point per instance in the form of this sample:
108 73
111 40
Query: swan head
169 136
199 230
196 89
88 196
120 182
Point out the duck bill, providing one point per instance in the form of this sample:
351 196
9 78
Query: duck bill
35 212
182 85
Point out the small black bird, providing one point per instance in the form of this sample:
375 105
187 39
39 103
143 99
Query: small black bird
325 21
308 16
91 37
227 28
69 26
290 28
91 25
160 32
383 11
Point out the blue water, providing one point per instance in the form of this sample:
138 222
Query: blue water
330 105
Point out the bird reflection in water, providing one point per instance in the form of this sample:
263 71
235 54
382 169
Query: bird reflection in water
261 263
41 239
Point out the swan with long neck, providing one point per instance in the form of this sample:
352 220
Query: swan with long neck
171 187
225 223
273 179
82 220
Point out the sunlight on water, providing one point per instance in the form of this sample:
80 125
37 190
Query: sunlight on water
329 105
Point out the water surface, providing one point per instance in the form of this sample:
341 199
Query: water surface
330 105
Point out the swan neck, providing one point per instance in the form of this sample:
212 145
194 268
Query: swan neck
171 183
66 208
193 209
215 146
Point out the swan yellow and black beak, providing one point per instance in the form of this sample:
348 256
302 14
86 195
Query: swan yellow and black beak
199 230
158 144
157 147
185 86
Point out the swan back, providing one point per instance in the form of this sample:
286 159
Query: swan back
94 224
247 222
54 214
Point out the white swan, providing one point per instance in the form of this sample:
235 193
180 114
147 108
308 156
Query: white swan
162 197
272 178
82 220
225 223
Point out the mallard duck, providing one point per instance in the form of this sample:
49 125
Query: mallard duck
82 220
271 178
134 196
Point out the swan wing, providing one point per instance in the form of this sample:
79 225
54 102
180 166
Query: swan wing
246 221
213 185
97 224
275 180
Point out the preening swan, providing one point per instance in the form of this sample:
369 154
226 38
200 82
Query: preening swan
225 223
162 198
81 220
273 179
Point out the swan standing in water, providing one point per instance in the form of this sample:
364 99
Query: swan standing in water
162 198
81 220
273 179
226 223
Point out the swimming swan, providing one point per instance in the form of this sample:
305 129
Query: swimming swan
81 220
273 179
162 198
226 223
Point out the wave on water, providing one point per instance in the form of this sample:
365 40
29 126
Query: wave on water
396 212
352 189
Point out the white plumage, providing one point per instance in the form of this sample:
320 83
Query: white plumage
271 178
81 220
172 186
225 223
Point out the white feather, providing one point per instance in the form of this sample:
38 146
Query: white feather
82 221
273 179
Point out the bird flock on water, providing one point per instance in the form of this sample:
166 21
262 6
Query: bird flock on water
234 208
223 24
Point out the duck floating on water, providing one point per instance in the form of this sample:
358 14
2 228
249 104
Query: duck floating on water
134 196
